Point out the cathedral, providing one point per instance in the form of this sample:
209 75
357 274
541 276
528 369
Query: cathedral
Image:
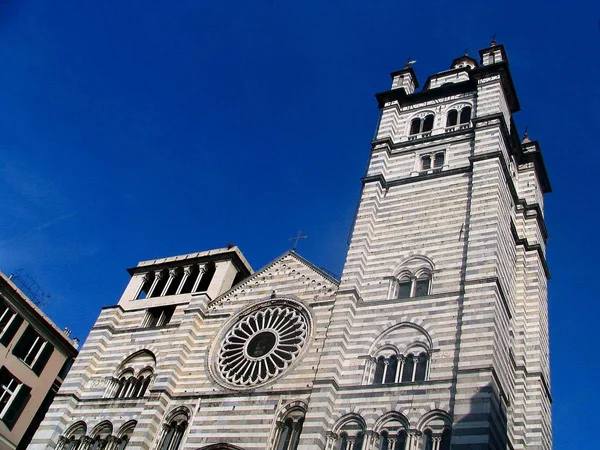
434 338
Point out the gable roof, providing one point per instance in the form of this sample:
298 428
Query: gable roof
320 272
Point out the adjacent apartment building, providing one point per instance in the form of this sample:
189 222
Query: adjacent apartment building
35 356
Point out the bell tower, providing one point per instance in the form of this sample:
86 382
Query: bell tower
441 313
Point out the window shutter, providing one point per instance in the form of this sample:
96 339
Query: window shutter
43 359
16 407
11 330
23 344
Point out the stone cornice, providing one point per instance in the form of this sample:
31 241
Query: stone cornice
530 248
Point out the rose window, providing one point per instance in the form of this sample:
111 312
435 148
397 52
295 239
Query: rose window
261 345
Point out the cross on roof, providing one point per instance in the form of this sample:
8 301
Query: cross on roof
297 238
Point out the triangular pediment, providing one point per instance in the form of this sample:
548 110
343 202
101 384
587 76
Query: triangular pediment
290 275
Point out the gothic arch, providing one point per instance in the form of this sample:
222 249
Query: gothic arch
422 114
436 420
102 426
289 407
390 329
348 419
221 446
127 427
77 427
140 354
386 350
458 106
418 261
178 411
391 416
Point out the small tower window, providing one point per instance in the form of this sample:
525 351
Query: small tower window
379 369
421 125
438 160
428 123
404 288
415 126
414 286
392 368
427 441
384 444
408 369
422 287
465 115
452 118
425 162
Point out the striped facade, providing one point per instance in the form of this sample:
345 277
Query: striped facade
435 336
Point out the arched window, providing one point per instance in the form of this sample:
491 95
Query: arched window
408 368
421 125
465 115
428 123
452 118
384 441
413 286
286 435
401 440
446 439
392 368
133 377
72 438
289 429
124 435
427 440
350 435
415 126
173 430
422 285
421 371
100 436
379 369
399 369
343 441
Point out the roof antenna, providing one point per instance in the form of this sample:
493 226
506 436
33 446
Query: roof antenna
493 43
525 136
466 52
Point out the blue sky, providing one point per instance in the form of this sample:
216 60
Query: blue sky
138 129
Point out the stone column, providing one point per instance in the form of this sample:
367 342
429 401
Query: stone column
158 275
85 443
392 443
144 279
351 442
296 430
371 440
331 439
201 272
399 368
413 438
386 363
436 442
187 271
172 274
62 442
279 426
415 364
367 372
